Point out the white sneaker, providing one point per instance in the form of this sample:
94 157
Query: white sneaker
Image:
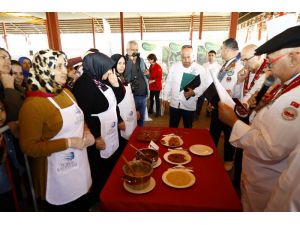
228 165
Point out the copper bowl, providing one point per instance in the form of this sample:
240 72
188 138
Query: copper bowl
140 179
147 154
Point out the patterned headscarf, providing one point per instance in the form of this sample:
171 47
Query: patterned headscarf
42 76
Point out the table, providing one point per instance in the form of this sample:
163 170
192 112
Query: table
213 190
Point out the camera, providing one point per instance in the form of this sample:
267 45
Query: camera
136 54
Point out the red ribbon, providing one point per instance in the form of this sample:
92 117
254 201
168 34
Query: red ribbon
255 78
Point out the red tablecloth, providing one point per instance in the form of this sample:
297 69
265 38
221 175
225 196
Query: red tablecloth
212 191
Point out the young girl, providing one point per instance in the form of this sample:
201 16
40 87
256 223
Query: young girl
6 202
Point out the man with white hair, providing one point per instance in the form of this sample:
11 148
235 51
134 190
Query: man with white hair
183 104
271 172
251 78
135 74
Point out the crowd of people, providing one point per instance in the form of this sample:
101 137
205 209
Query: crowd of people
73 118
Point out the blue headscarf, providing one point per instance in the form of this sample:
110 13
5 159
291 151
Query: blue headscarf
25 72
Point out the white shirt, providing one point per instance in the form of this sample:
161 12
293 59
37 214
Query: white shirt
229 79
172 91
238 89
213 68
271 173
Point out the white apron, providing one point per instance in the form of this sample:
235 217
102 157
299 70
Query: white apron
68 176
109 124
128 113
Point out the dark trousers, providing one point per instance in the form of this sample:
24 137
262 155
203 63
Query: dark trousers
176 114
200 102
216 127
157 101
100 170
79 205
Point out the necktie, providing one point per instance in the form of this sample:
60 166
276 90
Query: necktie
222 72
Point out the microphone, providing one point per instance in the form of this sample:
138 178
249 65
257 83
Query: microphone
266 85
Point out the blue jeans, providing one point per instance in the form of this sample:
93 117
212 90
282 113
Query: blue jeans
140 105
176 114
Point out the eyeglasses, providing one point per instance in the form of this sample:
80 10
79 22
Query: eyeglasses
271 61
247 59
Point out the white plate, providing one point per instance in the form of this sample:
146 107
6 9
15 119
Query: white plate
178 178
202 150
165 141
143 191
187 157
157 164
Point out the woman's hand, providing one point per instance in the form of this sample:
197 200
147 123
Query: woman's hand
122 126
112 78
100 144
14 128
7 81
138 115
76 143
88 139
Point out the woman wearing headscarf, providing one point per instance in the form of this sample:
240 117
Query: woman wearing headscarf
98 91
53 133
26 65
127 105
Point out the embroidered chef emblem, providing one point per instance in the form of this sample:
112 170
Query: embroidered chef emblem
230 73
289 113
228 79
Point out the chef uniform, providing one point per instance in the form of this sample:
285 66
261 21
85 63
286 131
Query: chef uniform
227 77
270 176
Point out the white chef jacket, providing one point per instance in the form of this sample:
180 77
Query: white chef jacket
213 68
270 175
286 196
238 89
229 80
172 91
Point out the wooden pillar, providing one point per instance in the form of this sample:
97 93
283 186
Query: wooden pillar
141 27
233 24
200 25
5 36
53 33
192 29
94 36
122 31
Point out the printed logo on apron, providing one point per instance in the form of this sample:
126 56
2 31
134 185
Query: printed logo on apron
67 163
